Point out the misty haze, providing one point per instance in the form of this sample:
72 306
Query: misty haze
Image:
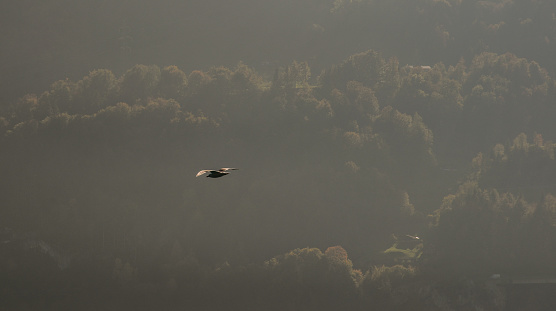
374 155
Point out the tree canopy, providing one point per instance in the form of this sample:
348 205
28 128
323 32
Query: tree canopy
398 177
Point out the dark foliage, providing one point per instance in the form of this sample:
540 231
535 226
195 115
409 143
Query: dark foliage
99 206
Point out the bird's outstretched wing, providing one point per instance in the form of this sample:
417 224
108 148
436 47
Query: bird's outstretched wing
202 172
225 169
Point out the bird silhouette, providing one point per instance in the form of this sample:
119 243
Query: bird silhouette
216 173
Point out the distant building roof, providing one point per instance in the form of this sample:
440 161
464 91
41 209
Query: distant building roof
421 67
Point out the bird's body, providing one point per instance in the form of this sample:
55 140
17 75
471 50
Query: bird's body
216 173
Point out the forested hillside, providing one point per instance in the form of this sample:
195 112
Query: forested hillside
48 41
387 173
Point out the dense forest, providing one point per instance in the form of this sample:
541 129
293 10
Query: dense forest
392 155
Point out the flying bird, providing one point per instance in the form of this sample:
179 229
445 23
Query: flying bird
413 237
216 173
